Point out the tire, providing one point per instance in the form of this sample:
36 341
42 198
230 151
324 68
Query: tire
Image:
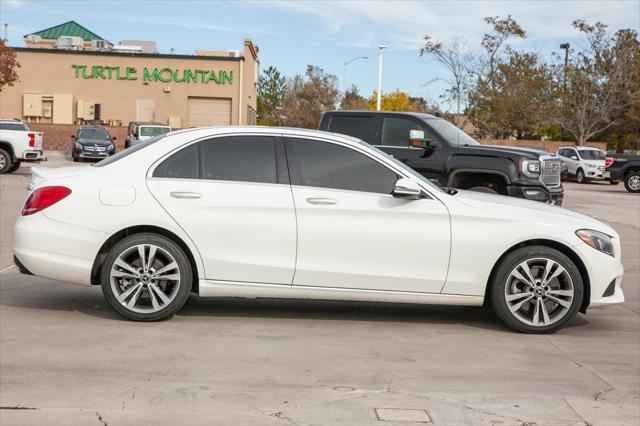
580 176
485 189
15 166
551 315
614 182
6 161
632 181
141 293
75 159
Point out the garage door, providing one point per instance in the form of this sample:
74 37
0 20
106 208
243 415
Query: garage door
209 112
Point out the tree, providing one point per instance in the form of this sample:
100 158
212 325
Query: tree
308 97
271 89
456 59
352 100
8 66
602 87
394 101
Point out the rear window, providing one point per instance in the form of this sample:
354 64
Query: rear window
153 131
361 127
21 127
120 155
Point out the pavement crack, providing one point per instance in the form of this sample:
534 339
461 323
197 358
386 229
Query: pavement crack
101 419
609 386
574 411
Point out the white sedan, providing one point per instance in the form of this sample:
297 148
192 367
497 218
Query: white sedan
288 213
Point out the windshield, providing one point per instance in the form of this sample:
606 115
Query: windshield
450 133
408 169
154 131
127 152
93 134
591 154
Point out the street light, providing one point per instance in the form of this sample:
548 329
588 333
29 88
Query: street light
380 49
344 72
566 47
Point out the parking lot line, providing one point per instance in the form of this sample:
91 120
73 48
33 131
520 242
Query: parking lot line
7 268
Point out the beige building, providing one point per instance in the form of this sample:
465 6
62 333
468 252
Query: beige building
62 85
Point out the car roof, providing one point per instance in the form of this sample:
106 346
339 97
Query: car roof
421 115
93 127
147 123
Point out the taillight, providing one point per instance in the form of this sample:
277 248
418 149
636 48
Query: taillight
608 161
44 197
32 139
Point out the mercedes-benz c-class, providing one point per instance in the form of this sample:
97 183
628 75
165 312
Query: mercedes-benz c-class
288 213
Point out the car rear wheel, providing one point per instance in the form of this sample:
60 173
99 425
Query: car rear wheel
15 166
5 161
146 277
632 182
536 290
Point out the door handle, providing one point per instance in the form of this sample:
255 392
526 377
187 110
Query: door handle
321 201
185 194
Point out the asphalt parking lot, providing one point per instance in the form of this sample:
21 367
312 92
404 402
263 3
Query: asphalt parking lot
67 358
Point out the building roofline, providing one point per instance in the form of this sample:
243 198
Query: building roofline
132 55
65 23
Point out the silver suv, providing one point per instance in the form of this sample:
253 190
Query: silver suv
139 131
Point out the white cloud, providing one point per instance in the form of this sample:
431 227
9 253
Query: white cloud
13 3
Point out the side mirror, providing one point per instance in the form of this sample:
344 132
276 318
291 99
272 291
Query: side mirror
113 138
406 189
574 157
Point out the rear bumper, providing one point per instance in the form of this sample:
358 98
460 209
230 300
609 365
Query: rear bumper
34 155
55 250
537 193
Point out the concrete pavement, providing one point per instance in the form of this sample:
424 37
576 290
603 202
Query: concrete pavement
67 358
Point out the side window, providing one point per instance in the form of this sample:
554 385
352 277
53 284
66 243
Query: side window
361 127
327 165
240 158
395 131
181 165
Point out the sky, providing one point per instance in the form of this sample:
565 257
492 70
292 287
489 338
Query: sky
326 33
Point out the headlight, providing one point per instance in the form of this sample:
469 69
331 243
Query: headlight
110 147
78 146
597 240
591 166
530 168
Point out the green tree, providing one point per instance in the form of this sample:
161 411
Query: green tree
352 100
271 89
8 66
308 97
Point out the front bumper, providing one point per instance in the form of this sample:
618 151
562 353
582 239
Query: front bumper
594 174
605 275
553 196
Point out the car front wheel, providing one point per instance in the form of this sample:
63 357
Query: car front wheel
146 277
632 182
536 290
580 176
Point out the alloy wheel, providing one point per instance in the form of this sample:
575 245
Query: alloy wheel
539 292
145 278
3 161
634 183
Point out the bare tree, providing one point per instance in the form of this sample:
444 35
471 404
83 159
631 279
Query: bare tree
601 86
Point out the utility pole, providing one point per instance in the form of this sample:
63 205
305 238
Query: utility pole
381 50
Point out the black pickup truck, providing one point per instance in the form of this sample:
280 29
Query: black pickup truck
440 151
626 168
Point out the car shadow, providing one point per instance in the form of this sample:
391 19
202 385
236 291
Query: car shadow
91 302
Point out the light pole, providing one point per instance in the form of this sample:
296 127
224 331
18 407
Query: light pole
380 49
566 47
344 72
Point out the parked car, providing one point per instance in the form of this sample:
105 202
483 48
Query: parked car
625 167
584 163
440 151
18 144
139 131
92 143
224 212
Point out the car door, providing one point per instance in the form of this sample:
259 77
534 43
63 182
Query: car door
395 141
572 163
231 195
352 233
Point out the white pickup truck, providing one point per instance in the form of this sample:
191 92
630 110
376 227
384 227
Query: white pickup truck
18 144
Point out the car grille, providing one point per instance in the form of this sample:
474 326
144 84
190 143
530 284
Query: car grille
551 172
601 168
94 148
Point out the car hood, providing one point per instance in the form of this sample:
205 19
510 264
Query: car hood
500 151
99 142
594 162
530 211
